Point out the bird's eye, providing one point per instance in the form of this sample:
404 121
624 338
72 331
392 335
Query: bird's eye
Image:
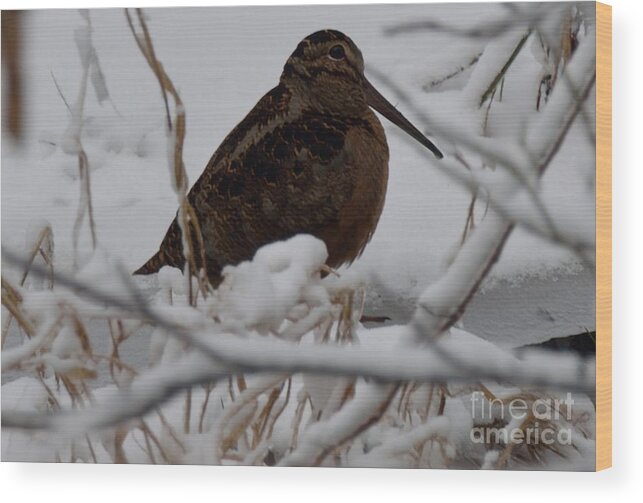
337 52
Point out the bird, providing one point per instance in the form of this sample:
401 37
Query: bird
310 158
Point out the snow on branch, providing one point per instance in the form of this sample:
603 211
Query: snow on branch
224 353
443 302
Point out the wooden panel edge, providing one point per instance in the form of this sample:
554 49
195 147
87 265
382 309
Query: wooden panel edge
603 236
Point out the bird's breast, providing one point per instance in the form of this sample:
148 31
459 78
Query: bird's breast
365 159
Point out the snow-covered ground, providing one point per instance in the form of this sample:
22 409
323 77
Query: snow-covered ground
222 61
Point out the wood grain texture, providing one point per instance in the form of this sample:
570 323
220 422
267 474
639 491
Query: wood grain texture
603 236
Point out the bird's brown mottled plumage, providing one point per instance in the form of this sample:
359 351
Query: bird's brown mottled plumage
311 157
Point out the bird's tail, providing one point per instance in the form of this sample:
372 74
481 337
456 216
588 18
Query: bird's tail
154 264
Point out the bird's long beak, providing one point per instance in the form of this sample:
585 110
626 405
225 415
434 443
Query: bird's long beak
383 106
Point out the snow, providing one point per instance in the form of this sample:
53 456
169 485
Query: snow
277 302
486 69
267 361
262 291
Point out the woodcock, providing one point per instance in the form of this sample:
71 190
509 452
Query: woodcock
310 158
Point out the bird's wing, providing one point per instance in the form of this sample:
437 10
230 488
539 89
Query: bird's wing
273 104
269 112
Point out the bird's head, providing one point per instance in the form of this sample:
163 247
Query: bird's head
326 71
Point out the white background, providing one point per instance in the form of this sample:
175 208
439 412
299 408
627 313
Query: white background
31 482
